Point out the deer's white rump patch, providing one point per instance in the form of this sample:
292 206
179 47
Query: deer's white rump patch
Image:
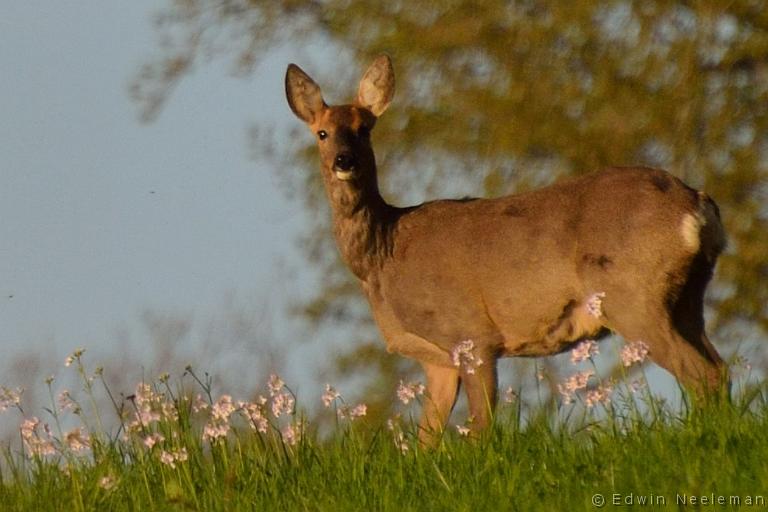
690 229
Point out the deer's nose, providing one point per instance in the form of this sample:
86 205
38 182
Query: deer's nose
344 161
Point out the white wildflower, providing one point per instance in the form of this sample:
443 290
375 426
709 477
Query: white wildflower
462 430
74 356
510 395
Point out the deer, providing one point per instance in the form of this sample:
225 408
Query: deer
458 284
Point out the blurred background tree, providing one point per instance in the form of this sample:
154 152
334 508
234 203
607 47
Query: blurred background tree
495 97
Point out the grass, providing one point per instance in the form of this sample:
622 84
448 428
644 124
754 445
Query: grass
218 454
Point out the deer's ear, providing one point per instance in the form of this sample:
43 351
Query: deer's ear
304 96
377 86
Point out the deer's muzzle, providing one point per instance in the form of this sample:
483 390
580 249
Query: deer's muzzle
344 166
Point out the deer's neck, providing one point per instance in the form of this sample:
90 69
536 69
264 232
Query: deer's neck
362 224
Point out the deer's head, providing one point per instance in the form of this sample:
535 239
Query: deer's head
343 131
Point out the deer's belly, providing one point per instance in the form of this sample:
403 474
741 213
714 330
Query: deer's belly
575 320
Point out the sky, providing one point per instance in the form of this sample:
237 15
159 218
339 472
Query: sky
104 217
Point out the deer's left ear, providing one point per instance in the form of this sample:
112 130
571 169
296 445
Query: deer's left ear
304 96
377 86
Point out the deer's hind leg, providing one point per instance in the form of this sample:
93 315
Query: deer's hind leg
675 336
696 365
687 313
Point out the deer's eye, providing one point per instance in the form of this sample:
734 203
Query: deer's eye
364 132
322 135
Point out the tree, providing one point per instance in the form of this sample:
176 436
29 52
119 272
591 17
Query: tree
511 95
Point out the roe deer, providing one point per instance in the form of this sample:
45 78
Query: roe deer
628 250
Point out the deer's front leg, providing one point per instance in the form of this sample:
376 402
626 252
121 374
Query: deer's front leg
442 388
480 381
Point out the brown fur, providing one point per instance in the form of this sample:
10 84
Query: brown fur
514 273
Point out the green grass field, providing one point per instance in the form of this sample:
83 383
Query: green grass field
177 450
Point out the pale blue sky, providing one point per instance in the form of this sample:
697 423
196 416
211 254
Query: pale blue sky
103 217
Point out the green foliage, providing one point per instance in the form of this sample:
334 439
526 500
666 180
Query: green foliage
512 95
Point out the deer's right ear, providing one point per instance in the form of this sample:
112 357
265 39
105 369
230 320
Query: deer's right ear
377 86
304 96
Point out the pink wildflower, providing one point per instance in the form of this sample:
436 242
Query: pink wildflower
599 395
9 398
36 444
152 439
168 459
574 383
146 402
282 403
463 356
65 401
29 427
408 392
587 349
168 411
222 409
330 395
171 458
107 482
214 431
635 352
595 304
218 424
275 384
181 455
254 413
77 440
292 434
358 411
199 404
352 412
